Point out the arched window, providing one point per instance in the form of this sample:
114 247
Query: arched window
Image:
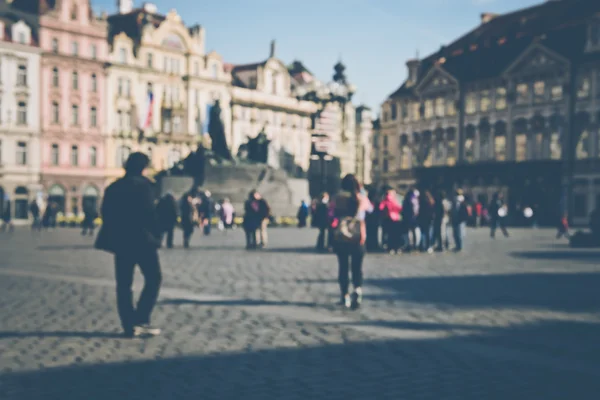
55 77
74 12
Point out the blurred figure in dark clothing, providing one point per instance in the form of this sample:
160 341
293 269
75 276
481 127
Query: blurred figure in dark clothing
130 231
189 218
302 214
425 220
166 211
373 221
34 209
498 214
322 222
253 218
206 210
89 221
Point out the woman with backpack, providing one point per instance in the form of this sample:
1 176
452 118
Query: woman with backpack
349 210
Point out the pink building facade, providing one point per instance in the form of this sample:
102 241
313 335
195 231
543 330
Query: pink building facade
74 49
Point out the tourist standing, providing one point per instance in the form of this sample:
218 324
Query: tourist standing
227 214
410 212
252 220
34 209
189 218
302 214
498 214
167 217
441 222
458 217
373 221
390 210
130 231
207 207
320 220
89 220
425 220
264 213
349 210
7 224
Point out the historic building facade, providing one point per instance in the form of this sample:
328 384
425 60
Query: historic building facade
511 106
262 101
74 49
19 112
162 84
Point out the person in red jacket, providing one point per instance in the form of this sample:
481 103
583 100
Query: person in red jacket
390 211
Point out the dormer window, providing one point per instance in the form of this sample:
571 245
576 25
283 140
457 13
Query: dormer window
21 36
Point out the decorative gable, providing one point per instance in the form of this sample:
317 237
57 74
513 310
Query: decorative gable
436 80
535 59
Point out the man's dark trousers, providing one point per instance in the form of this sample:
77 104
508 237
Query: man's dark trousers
125 263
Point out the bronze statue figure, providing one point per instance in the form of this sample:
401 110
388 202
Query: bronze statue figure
216 132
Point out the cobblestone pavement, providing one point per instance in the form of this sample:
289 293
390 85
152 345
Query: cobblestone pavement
513 318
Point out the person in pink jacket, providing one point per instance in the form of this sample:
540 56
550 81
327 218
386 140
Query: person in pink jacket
390 211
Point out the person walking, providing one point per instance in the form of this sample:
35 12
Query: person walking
498 214
321 221
390 210
425 220
302 214
7 224
441 222
349 210
252 220
189 218
458 217
227 214
167 217
89 220
264 213
131 232
34 210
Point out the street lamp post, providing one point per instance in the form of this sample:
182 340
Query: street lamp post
340 92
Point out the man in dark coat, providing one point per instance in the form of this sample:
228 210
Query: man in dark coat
131 232
167 217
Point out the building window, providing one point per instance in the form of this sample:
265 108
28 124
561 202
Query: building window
93 157
55 112
149 61
501 98
196 68
55 77
75 49
127 116
74 115
55 154
22 113
127 87
500 148
450 107
583 146
21 153
122 55
416 111
555 146
539 91
439 107
74 13
471 104
93 117
520 147
21 38
484 101
54 45
385 141
75 80
177 124
522 93
94 52
215 71
74 156
557 92
94 83
385 165
583 88
404 111
22 75
394 111
428 109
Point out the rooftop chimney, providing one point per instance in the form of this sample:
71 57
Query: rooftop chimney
487 17
413 70
272 53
